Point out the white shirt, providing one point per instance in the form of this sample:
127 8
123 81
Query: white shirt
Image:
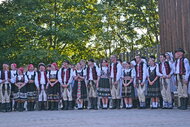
187 68
60 76
163 69
25 78
119 71
6 77
152 68
90 72
133 73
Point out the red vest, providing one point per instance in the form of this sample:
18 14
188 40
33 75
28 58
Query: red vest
167 67
3 75
140 70
94 73
39 77
181 66
68 72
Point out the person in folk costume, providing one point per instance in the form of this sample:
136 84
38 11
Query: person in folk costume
103 83
14 73
139 83
84 67
153 90
31 87
20 93
92 77
182 72
170 59
41 83
116 69
79 92
65 80
53 87
165 72
6 78
128 76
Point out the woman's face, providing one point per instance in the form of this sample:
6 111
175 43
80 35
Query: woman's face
78 66
53 67
104 63
167 57
151 62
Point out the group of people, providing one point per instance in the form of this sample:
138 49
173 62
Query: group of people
139 83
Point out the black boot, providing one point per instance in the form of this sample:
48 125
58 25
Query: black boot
39 105
91 102
118 103
113 104
181 103
28 106
3 107
0 106
55 105
85 106
8 107
44 105
184 107
15 106
95 103
66 105
70 107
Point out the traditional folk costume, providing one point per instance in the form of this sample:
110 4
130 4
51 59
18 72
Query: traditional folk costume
182 72
53 92
128 91
141 70
65 77
20 94
13 103
5 90
79 89
104 82
153 91
116 70
41 83
165 69
92 76
31 90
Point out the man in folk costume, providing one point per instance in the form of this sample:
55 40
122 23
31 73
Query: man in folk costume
31 87
116 73
165 72
92 76
65 79
41 83
14 73
182 71
141 69
5 88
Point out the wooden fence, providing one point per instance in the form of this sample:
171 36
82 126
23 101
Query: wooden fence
145 52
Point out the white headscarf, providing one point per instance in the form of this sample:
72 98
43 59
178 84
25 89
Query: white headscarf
171 56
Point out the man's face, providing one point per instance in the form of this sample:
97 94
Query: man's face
138 59
162 58
113 59
90 63
42 68
65 64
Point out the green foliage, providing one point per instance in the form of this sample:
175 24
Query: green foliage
33 31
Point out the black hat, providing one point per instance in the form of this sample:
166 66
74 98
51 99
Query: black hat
179 50
41 64
91 60
66 61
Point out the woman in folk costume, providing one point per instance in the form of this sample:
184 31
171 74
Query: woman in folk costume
153 90
53 87
128 76
31 87
170 59
20 93
14 73
103 83
79 92
41 83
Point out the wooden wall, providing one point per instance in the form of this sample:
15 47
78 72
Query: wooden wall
174 25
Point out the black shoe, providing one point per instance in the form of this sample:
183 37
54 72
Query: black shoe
118 103
184 107
85 106
91 103
65 105
28 106
70 107
95 103
113 104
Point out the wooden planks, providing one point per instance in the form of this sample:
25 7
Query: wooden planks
174 25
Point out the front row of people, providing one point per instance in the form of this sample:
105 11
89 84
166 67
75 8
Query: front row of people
81 86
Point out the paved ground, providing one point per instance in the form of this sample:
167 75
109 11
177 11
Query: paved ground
100 118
